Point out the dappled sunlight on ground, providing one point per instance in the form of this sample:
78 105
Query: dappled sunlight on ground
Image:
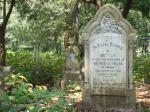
143 94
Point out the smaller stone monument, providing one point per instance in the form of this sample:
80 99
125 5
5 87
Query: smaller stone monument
72 64
108 44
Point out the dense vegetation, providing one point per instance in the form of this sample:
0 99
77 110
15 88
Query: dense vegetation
21 96
49 69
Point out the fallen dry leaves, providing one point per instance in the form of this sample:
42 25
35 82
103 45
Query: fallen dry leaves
143 94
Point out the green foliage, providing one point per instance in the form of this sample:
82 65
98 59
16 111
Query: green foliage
139 23
146 110
37 24
50 66
142 6
72 85
22 7
23 97
87 12
141 68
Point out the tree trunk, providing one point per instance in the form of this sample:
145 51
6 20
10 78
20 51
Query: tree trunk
3 30
127 7
75 16
97 3
2 45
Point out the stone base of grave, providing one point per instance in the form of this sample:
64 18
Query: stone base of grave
74 76
85 107
111 103
116 110
71 76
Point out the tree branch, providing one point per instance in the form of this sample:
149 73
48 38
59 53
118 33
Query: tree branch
6 18
4 9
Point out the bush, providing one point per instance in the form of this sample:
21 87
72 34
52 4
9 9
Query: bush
23 97
50 66
142 68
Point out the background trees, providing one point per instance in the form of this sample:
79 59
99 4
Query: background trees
55 25
48 20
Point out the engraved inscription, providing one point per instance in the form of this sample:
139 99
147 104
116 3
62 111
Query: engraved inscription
107 62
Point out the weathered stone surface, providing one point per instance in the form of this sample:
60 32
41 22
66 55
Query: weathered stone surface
108 44
108 64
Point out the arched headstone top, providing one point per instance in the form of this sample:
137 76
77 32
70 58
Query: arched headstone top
108 19
109 42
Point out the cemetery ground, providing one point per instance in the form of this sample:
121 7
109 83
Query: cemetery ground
20 93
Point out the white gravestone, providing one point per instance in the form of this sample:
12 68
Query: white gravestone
108 44
107 62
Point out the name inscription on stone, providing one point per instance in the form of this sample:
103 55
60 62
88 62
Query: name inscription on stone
107 62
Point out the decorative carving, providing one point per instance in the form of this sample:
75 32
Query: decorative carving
108 24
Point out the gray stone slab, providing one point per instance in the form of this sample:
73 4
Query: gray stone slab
109 41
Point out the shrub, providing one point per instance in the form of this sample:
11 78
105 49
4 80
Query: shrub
142 67
50 66
23 97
